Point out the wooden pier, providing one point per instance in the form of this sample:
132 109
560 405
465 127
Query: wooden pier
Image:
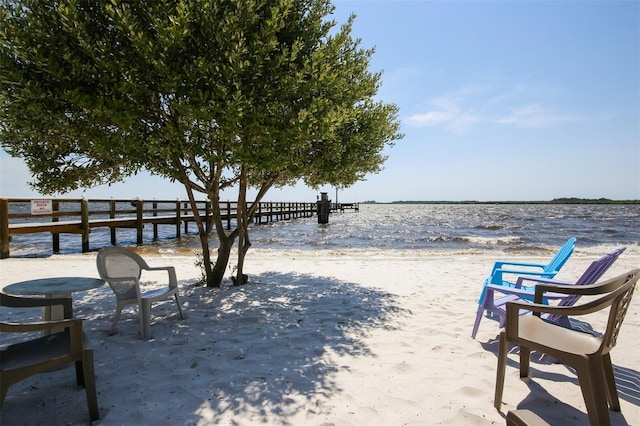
80 216
345 206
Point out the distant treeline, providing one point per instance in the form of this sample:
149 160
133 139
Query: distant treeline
554 201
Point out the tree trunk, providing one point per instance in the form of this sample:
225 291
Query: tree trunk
214 279
217 273
203 233
243 227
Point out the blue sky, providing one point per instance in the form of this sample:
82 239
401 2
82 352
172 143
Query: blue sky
499 100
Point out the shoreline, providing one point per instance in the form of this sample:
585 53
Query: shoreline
537 254
346 339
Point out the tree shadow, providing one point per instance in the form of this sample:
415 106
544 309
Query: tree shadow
296 320
261 352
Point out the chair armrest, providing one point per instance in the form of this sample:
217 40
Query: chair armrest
540 280
514 308
34 302
74 325
579 290
159 268
173 279
523 272
500 272
121 279
22 327
520 292
499 264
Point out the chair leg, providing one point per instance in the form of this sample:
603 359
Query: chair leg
502 364
4 387
79 373
116 317
179 305
145 318
525 360
592 381
476 324
503 319
524 418
612 390
90 385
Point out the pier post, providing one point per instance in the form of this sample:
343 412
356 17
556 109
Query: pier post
139 220
185 206
324 207
55 207
84 218
4 228
112 215
155 225
178 231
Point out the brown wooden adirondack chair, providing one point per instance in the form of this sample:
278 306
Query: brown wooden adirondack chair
65 343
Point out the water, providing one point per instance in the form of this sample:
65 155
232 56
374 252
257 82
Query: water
444 228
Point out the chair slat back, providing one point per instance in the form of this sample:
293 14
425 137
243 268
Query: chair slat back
118 265
116 262
593 273
619 310
561 256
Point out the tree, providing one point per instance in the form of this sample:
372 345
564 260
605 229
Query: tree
213 94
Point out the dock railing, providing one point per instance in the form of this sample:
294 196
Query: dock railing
79 216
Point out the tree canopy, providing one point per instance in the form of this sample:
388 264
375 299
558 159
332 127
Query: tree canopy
214 94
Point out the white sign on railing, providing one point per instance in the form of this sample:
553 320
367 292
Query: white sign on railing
41 207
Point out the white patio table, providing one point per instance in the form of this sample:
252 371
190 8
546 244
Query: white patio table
53 287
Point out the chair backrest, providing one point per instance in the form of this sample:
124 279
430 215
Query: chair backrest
116 263
616 295
119 262
593 273
561 256
619 292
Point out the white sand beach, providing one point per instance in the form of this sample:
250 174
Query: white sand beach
315 338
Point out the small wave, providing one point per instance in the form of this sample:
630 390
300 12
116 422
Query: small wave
523 249
489 227
504 240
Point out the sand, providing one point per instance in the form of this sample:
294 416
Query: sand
315 338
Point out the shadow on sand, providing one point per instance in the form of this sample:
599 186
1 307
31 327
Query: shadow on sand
261 352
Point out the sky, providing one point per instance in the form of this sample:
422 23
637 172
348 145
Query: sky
498 100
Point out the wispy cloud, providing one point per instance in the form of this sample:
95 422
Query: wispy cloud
516 105
450 110
535 115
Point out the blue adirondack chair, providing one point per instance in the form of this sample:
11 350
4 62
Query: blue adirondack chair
548 270
497 305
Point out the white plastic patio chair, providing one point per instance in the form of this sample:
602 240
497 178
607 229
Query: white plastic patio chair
122 269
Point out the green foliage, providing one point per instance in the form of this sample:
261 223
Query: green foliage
95 90
211 93
199 263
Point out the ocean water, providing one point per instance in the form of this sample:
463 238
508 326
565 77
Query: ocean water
444 228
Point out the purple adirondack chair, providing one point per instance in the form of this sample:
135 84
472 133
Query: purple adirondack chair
497 305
